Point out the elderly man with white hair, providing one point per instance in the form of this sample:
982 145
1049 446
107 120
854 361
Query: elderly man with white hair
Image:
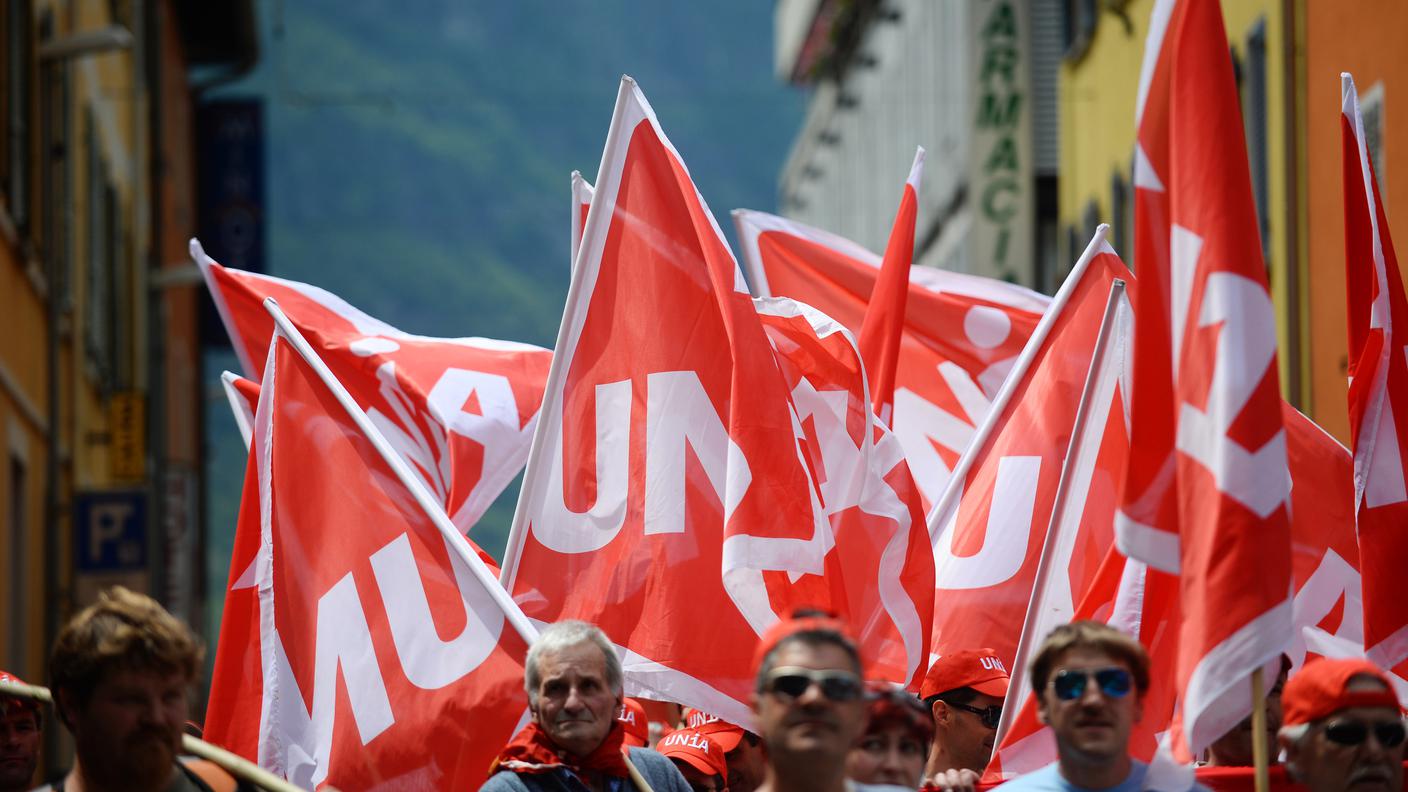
1342 727
574 741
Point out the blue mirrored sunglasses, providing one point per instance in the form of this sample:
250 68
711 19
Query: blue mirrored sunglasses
1069 684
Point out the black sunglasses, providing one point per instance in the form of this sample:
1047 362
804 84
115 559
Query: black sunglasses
989 715
1069 684
1390 734
793 681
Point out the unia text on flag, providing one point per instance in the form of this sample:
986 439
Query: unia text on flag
883 327
989 525
388 654
1378 393
461 411
1206 492
962 333
666 498
881 571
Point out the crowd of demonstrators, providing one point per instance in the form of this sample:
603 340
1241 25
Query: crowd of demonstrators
1342 728
21 726
896 741
574 740
122 669
964 692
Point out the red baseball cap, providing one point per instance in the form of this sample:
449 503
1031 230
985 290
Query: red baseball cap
701 752
786 628
1322 689
715 728
980 670
19 701
632 717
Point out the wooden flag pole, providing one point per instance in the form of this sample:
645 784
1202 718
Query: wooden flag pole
636 777
1260 760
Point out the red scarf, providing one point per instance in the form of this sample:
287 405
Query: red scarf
532 751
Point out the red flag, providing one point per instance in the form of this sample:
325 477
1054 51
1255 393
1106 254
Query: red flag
461 411
881 571
962 333
989 526
387 652
1378 393
1207 490
666 487
884 315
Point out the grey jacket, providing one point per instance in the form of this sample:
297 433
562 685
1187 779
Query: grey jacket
658 771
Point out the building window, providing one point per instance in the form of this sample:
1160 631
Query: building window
19 565
98 298
1371 107
54 220
1121 215
18 56
1079 20
1253 95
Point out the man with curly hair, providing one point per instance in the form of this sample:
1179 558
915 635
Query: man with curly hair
121 672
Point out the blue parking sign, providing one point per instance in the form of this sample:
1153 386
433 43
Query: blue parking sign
110 531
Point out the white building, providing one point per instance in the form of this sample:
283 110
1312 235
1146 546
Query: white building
973 82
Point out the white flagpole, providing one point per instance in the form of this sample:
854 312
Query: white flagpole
940 515
1032 623
456 540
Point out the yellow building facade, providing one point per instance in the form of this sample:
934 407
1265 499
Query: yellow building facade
1099 83
99 339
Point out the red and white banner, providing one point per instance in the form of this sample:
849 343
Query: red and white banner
881 571
1207 491
388 655
461 411
667 482
1378 393
989 526
883 328
962 333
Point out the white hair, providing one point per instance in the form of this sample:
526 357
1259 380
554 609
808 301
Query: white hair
565 635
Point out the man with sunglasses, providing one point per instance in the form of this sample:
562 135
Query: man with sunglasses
1342 727
810 704
1090 680
964 691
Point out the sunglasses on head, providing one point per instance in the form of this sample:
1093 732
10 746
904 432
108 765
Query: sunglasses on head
1070 684
792 682
1390 734
989 715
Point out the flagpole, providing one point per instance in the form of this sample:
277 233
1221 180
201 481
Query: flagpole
1260 759
939 514
1048 548
453 538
